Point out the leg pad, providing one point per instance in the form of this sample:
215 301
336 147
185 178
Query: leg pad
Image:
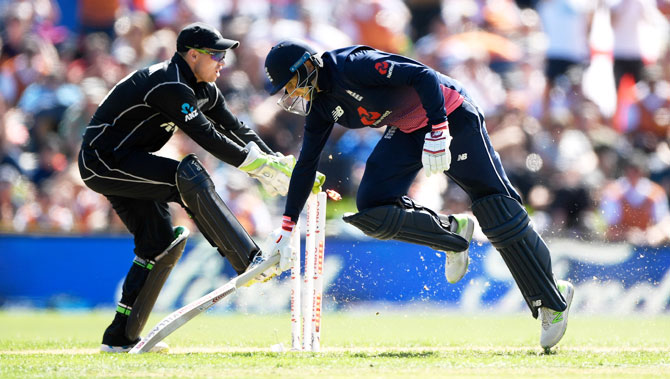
408 222
212 216
159 269
508 227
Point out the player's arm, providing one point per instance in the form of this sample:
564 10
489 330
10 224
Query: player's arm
305 172
178 102
302 183
376 68
227 123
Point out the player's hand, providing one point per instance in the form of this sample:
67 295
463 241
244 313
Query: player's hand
283 244
318 182
273 171
436 157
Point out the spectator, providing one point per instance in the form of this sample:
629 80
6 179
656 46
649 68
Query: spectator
638 29
566 24
635 208
496 46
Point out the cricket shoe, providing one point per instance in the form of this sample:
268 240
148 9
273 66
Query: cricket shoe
554 323
160 347
457 262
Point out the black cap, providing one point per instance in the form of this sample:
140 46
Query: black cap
202 36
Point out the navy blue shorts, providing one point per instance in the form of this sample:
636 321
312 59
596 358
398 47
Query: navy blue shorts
396 160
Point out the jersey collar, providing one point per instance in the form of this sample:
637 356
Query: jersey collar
184 70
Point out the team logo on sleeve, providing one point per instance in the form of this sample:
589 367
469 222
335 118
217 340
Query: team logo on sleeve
384 68
189 111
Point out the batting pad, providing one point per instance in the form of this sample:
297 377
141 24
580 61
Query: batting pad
506 224
407 222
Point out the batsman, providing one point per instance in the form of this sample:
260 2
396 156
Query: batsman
429 119
138 117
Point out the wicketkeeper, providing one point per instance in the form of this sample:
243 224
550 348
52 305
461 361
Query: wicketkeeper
429 119
138 117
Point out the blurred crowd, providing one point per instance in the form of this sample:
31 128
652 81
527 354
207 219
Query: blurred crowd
576 95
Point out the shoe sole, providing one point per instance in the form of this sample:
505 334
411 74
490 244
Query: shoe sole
566 313
470 229
108 349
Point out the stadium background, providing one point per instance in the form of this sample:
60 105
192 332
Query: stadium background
566 147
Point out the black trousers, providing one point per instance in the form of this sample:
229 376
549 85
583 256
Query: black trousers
139 186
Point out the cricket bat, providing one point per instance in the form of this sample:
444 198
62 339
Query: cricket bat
182 315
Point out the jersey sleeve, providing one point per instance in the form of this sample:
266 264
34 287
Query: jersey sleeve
375 68
228 124
178 102
317 131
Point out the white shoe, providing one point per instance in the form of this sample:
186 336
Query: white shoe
456 264
160 347
554 323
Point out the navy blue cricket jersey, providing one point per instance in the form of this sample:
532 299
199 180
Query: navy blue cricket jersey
363 87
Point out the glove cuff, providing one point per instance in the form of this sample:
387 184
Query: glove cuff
441 126
251 162
287 224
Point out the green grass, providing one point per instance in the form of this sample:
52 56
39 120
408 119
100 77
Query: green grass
355 345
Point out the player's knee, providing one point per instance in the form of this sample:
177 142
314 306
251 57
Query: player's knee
367 198
363 201
502 219
150 247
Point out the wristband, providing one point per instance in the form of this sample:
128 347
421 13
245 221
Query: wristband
441 126
287 224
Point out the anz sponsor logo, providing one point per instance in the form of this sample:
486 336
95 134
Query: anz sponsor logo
169 127
189 111
355 95
337 113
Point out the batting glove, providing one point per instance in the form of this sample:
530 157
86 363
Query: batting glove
283 244
273 171
436 157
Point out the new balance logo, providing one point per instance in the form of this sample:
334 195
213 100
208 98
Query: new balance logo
337 113
462 157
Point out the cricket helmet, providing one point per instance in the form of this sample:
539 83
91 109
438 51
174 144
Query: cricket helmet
287 58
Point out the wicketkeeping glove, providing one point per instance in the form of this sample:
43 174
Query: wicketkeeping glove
274 172
318 182
436 157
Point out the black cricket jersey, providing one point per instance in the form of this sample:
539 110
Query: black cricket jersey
145 108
